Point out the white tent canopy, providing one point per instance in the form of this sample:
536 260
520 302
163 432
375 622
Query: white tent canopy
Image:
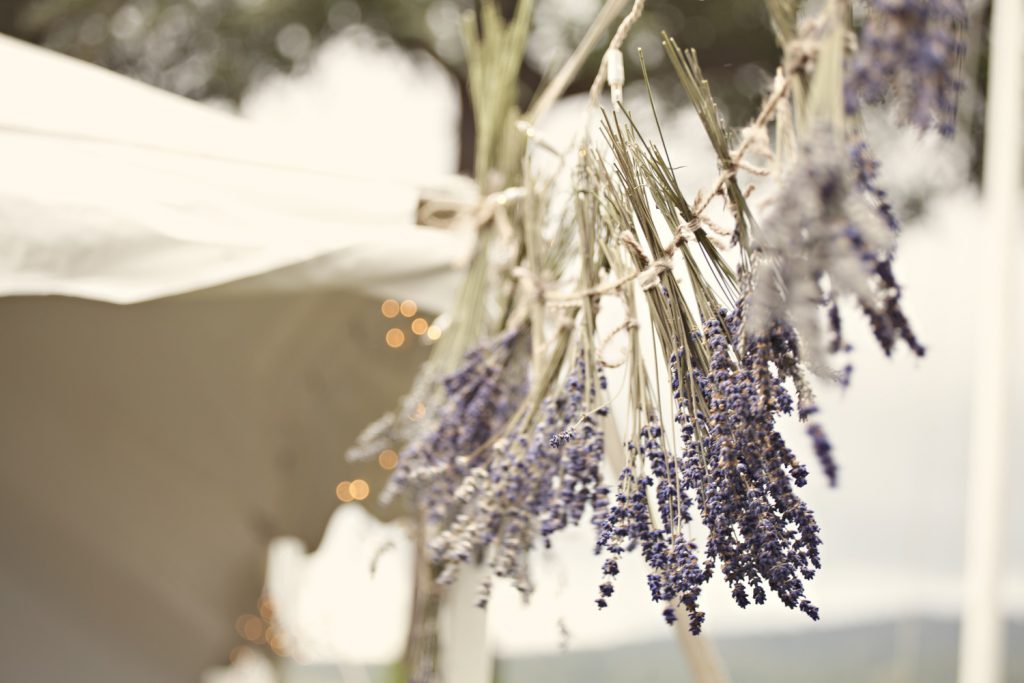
150 452
116 191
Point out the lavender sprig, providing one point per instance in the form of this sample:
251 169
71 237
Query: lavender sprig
481 396
823 241
760 532
733 470
542 475
674 574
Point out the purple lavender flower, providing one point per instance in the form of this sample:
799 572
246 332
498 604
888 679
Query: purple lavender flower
582 451
760 532
831 235
481 396
541 474
674 574
734 470
866 168
823 449
561 438
911 50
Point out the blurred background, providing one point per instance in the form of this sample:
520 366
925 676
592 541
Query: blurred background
174 500
224 50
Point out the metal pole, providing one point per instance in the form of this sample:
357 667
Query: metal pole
982 628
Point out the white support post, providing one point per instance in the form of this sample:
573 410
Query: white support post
982 628
465 656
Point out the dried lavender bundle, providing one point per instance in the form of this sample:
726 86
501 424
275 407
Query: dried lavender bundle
731 468
464 374
480 397
824 240
512 449
494 58
540 476
735 349
743 473
541 472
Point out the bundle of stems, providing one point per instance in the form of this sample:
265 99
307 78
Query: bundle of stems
494 52
742 315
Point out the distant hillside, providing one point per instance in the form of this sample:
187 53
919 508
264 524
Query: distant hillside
912 651
920 651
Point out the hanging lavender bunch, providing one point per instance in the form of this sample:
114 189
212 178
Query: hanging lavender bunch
480 397
738 471
760 531
675 575
511 455
580 449
911 50
823 241
541 476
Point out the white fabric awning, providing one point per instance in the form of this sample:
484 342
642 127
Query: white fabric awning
116 191
152 451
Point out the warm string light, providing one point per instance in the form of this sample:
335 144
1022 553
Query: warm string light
261 630
250 627
396 337
277 641
342 491
357 489
387 459
265 608
408 308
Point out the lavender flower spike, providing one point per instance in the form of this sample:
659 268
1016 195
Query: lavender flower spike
824 241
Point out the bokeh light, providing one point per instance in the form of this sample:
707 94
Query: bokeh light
408 308
419 326
359 489
278 645
387 459
250 627
394 338
266 608
344 491
390 308
433 333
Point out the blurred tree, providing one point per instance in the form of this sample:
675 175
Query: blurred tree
220 48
